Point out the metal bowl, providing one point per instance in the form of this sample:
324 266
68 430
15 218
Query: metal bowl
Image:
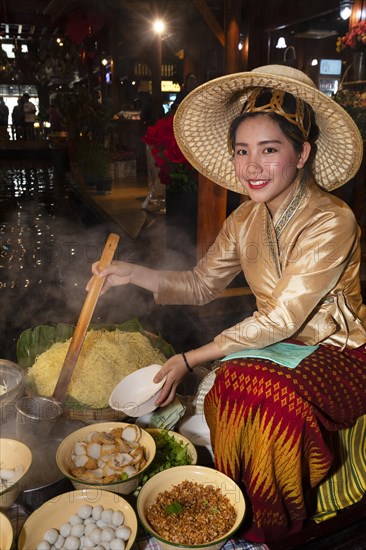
13 377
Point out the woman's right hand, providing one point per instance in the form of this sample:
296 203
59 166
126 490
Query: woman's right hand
117 273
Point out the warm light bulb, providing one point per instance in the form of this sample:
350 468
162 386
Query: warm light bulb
345 12
281 43
104 62
314 63
159 26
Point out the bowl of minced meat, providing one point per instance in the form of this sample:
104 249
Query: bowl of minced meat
191 506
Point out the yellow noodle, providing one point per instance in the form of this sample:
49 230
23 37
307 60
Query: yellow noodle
105 358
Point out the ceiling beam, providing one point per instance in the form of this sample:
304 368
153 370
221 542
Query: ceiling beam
22 18
211 20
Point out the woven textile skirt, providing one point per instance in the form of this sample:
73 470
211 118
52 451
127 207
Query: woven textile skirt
267 425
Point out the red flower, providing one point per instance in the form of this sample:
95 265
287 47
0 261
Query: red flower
355 38
174 168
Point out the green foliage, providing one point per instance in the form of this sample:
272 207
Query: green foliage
354 102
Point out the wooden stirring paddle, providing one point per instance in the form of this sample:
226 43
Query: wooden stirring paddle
81 328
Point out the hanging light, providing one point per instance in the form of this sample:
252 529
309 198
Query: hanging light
345 8
159 26
281 43
241 42
314 62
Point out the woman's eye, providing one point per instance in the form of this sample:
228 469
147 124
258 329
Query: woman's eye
270 150
240 152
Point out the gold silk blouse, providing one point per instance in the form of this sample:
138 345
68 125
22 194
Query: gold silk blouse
303 268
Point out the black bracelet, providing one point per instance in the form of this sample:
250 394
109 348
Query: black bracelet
186 362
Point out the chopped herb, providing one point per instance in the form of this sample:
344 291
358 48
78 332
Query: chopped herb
174 508
169 453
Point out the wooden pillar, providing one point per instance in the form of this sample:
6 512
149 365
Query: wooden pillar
212 198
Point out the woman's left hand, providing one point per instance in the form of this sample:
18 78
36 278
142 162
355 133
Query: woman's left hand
174 370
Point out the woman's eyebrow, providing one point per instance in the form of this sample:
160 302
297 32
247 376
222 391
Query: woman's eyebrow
264 142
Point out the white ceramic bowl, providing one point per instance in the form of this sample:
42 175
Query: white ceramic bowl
13 454
164 480
196 429
6 533
13 377
58 510
136 394
124 487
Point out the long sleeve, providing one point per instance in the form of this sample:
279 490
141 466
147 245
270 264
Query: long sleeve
305 280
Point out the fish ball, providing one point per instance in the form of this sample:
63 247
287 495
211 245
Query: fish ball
89 528
117 518
117 544
72 543
107 534
96 535
97 512
44 545
85 511
59 542
123 532
65 529
77 530
101 523
51 536
85 542
75 519
107 516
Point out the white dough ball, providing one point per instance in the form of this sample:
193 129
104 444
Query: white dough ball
59 542
107 516
65 529
72 543
87 543
44 545
75 519
117 544
101 524
96 535
118 518
97 512
89 528
51 535
107 534
85 511
77 530
123 532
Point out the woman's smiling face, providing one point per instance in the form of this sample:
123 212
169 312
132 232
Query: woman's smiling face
266 163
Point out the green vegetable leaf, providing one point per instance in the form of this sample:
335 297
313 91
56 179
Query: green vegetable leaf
174 508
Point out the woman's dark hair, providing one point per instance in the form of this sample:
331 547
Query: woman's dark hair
291 130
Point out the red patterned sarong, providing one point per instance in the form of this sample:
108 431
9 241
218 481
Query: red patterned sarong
267 422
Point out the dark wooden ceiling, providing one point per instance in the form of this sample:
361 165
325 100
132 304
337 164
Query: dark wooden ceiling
28 19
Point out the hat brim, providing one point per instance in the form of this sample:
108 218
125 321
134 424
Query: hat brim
202 121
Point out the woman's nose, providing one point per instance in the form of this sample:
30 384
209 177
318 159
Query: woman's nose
253 168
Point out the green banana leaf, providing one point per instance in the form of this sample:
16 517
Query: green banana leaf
34 341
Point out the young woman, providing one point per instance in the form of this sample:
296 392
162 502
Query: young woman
298 246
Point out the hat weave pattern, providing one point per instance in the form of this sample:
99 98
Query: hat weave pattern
202 121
